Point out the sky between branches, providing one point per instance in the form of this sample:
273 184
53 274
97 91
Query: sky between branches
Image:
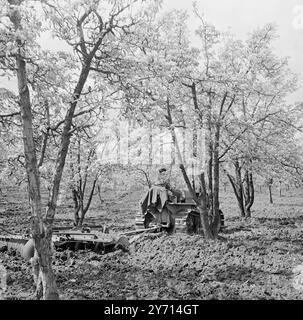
240 17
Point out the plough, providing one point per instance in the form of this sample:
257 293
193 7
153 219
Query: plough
99 242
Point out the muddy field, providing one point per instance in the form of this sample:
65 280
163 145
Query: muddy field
253 259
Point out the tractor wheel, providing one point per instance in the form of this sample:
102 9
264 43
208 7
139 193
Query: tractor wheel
148 218
28 250
193 223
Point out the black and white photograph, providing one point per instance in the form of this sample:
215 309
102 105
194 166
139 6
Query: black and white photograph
151 150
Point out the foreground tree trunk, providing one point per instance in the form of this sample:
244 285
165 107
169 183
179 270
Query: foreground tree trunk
42 224
45 282
41 231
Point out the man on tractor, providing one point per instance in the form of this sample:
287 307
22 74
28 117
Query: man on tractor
153 204
167 207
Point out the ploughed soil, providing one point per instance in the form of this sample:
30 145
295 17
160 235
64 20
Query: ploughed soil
259 258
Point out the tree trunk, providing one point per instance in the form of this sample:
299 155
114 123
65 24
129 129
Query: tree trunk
215 224
76 207
66 134
46 276
80 205
249 193
76 216
99 194
150 145
269 183
270 194
210 177
211 169
240 188
237 186
82 216
41 232
65 141
193 177
280 189
202 206
161 148
237 194
80 223
42 228
146 175
201 202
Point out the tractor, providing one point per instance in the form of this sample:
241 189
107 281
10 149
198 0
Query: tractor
172 214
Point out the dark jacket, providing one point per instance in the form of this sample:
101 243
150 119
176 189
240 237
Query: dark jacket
156 196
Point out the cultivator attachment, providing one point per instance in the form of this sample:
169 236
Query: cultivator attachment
15 242
84 239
